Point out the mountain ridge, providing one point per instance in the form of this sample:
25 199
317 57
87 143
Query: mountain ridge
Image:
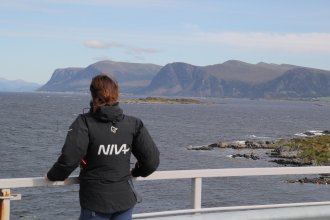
238 79
232 78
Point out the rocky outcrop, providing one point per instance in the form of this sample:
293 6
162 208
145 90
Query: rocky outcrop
248 144
318 180
247 156
291 162
162 100
302 151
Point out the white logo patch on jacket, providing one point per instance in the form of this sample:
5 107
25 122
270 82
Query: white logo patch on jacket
113 129
112 149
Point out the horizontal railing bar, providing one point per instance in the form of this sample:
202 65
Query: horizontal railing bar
230 208
177 174
232 172
34 182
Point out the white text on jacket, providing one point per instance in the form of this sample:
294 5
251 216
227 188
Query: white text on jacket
112 149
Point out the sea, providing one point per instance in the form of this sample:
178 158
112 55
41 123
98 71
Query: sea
33 127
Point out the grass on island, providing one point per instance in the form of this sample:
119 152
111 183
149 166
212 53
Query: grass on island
163 100
325 99
314 149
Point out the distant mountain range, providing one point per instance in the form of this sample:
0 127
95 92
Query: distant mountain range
229 79
17 86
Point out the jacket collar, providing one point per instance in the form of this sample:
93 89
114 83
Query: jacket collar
109 113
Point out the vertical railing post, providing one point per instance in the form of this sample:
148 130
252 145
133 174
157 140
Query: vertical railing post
197 193
5 204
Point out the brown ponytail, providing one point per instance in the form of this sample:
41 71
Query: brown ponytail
104 90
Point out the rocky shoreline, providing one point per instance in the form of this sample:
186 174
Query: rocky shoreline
162 100
312 149
317 180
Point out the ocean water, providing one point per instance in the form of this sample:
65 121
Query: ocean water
33 127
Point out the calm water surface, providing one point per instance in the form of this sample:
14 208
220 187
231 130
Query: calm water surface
33 127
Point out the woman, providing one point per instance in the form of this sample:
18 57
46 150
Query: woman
103 140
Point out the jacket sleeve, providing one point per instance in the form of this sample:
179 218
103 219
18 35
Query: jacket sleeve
73 151
145 151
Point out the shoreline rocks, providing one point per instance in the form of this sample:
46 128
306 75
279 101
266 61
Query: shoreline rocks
318 180
290 162
291 151
301 151
248 144
163 100
285 156
247 156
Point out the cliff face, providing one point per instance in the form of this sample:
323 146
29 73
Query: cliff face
59 79
130 76
297 83
185 80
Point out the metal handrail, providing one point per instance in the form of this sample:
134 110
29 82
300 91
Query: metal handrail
195 175
176 174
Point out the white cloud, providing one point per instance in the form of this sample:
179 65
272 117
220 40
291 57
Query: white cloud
96 44
292 42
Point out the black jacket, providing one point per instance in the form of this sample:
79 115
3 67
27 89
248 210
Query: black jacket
105 140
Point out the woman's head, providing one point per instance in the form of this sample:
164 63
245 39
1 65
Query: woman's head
104 90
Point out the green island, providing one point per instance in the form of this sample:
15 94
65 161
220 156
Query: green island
159 100
314 150
325 98
311 150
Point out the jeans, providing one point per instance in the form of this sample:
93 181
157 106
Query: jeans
87 214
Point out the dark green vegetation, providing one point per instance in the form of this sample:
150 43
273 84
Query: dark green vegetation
303 151
313 149
325 99
310 151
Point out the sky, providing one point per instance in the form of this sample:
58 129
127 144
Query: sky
39 36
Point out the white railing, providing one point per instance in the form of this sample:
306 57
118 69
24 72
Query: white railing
195 175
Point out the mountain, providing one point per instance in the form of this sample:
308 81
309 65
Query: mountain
59 79
240 80
17 86
185 80
235 70
232 78
297 83
130 76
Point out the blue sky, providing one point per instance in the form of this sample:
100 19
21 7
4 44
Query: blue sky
38 36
